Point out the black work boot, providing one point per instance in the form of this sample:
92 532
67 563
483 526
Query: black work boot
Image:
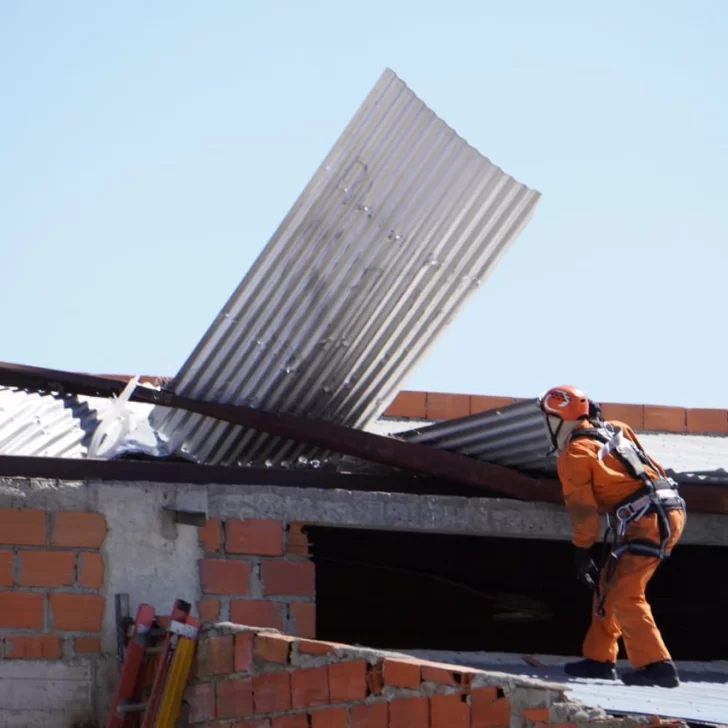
658 674
591 670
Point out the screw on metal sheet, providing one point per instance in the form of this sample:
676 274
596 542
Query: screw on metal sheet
316 463
433 261
268 463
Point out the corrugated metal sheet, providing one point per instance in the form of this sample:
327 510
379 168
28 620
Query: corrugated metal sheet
44 425
53 425
398 227
515 436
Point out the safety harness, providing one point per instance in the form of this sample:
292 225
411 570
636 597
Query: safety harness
658 495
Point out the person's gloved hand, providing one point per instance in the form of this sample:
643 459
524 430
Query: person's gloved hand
586 570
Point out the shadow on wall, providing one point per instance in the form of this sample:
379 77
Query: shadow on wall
431 591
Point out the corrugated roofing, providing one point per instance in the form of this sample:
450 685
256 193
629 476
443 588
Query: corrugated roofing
395 231
44 425
54 425
515 436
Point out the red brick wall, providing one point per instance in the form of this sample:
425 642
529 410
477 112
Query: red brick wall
645 417
257 572
244 678
51 572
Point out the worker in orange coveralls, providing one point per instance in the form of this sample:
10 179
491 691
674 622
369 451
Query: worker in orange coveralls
604 470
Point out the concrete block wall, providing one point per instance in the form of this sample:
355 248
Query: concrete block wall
256 571
51 574
248 678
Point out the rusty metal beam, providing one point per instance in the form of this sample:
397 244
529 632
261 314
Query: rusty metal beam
183 473
439 466
329 436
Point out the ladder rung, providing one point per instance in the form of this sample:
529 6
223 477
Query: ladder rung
132 708
153 651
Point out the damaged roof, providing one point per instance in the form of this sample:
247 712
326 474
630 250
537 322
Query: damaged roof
397 228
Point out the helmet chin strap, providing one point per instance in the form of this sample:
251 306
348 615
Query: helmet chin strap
560 435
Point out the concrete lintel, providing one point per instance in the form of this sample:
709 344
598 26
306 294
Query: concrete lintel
329 507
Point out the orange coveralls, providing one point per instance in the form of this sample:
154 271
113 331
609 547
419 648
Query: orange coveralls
592 487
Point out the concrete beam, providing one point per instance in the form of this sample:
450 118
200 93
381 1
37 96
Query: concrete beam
122 503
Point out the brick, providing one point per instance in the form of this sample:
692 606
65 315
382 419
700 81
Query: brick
21 610
348 681
713 421
225 577
490 709
87 645
47 646
309 686
46 568
291 721
257 536
330 718
484 403
201 698
630 414
375 678
445 406
209 609
444 675
401 673
537 715
408 404
303 619
296 540
234 698
22 527
409 713
449 711
257 613
289 578
77 612
211 536
91 570
665 419
374 715
315 647
243 652
78 529
255 723
272 692
215 656
6 568
273 648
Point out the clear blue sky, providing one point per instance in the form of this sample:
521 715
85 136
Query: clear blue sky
149 150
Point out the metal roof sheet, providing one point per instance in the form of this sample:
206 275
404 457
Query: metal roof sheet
56 425
397 228
44 425
516 436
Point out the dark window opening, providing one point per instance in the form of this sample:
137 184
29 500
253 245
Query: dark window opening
401 590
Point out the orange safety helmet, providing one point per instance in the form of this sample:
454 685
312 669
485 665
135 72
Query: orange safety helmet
567 402
563 404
